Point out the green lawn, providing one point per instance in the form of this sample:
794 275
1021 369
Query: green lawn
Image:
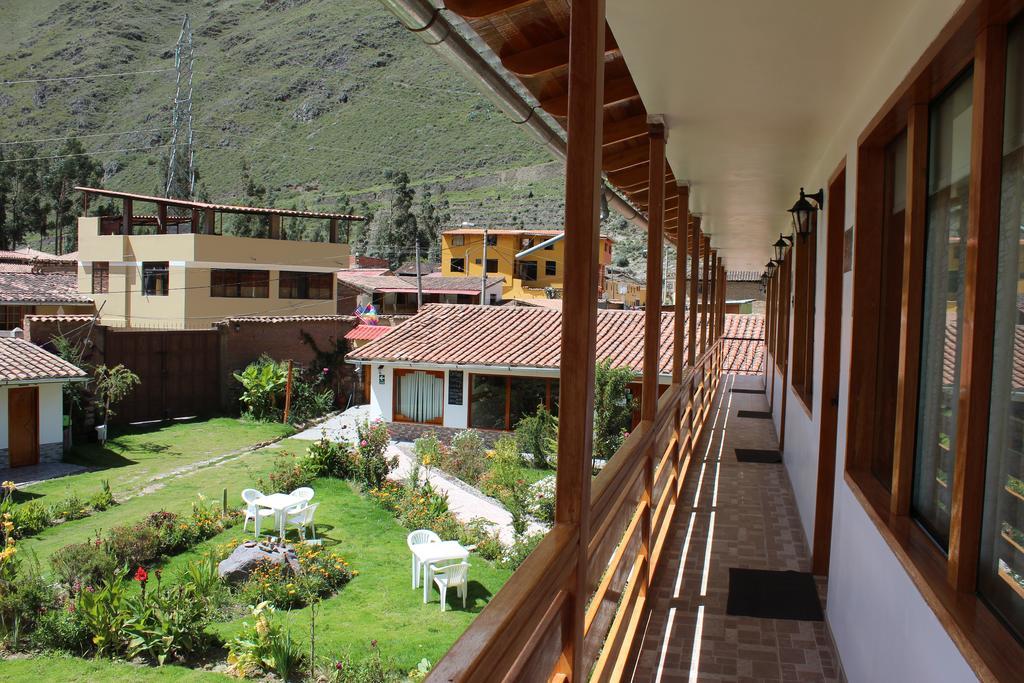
56 667
133 458
379 604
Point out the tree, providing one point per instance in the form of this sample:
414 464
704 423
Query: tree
112 386
613 407
75 168
255 194
7 237
24 210
432 219
397 230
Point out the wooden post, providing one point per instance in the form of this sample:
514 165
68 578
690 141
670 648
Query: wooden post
706 279
694 274
579 311
288 393
275 226
652 312
679 330
211 221
333 232
126 216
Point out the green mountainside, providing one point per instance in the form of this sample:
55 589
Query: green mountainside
319 97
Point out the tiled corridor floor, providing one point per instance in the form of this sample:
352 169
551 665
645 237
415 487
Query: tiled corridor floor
731 515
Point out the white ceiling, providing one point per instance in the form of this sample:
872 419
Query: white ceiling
751 91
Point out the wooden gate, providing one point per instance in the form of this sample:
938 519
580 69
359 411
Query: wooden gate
23 426
179 372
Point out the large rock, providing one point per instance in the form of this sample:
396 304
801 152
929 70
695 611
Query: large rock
241 563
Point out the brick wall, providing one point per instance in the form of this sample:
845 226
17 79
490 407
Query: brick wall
244 341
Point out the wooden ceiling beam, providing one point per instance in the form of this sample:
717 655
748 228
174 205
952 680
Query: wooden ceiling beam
634 156
615 90
643 184
478 9
629 177
642 195
627 129
540 59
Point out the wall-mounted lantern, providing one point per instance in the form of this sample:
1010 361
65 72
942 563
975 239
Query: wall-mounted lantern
769 269
780 248
803 211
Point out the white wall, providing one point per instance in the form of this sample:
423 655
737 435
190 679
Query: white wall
883 628
51 414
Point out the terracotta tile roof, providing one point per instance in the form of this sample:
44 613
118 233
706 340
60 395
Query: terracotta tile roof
41 288
364 332
742 276
425 268
284 319
21 360
60 318
949 355
748 326
503 231
516 336
29 255
432 284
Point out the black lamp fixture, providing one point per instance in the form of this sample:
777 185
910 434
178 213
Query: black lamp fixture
803 211
780 248
769 269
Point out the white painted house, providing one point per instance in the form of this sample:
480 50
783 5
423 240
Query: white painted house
31 403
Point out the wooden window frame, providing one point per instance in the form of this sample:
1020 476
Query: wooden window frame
401 372
804 258
302 284
160 270
549 395
225 280
976 35
100 277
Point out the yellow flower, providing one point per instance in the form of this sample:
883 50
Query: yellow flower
9 526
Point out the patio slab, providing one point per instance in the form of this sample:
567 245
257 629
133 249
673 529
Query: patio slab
33 474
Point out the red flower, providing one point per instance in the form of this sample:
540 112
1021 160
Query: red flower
141 575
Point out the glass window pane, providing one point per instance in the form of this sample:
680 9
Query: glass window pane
419 396
527 394
487 405
949 167
1001 570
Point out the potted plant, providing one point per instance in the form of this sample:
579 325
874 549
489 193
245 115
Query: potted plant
112 386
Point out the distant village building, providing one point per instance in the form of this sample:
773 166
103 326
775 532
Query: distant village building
531 262
37 283
179 271
393 295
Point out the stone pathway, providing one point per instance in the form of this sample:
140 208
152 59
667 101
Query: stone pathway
34 474
466 503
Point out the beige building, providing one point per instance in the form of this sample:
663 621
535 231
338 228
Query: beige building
184 275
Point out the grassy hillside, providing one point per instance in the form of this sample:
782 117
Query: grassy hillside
320 96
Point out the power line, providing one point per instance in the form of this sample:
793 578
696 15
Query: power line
85 154
90 76
87 135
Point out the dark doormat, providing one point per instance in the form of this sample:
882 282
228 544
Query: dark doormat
747 391
757 455
757 414
773 595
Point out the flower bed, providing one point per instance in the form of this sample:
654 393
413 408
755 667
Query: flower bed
29 518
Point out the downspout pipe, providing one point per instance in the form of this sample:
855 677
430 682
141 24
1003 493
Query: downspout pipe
430 23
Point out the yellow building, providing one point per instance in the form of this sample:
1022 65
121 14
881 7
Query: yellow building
184 275
537 274
626 290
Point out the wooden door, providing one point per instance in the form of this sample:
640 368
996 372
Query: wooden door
822 540
23 426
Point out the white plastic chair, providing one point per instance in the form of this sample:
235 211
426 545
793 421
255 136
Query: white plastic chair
415 538
452 576
305 493
253 511
299 517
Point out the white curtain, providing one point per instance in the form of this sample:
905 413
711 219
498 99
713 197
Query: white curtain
420 396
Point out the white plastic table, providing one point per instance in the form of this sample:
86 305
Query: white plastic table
430 554
278 502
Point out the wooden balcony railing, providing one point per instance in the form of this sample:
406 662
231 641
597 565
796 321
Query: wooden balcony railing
521 634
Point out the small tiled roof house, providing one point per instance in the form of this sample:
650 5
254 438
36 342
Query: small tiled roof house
486 367
31 403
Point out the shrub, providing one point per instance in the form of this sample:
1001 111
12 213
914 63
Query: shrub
69 509
535 434
30 518
262 381
167 624
287 474
134 545
506 468
613 408
103 499
466 458
520 550
311 397
374 463
542 499
427 451
323 574
83 564
326 458
264 646
373 669
61 628
478 531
